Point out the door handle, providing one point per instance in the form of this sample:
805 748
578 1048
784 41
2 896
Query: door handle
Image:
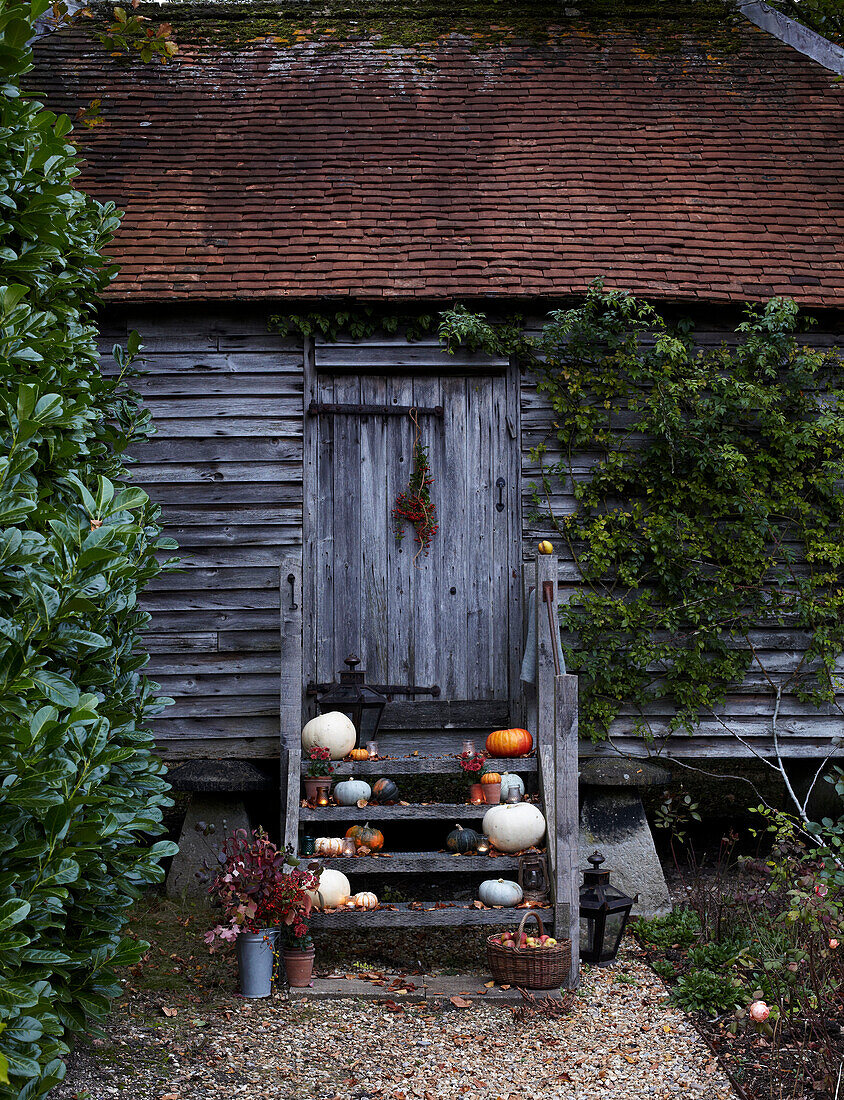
500 483
291 580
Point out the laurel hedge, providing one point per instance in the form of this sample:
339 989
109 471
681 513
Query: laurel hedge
81 792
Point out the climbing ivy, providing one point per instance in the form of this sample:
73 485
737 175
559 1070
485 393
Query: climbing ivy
357 321
708 505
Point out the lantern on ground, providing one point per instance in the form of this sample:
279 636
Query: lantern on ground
533 877
603 915
357 700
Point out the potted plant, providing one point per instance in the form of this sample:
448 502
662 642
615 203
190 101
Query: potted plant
319 767
472 763
259 888
298 954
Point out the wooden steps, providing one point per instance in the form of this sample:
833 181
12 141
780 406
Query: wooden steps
427 765
403 863
415 811
407 915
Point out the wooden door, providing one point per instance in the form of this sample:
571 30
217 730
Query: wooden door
450 617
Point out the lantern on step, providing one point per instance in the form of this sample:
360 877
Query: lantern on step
603 915
357 700
533 877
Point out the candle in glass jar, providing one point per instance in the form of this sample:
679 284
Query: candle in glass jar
469 747
513 796
349 848
372 748
483 847
322 795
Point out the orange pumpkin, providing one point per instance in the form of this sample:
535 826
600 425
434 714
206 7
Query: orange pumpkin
359 754
490 777
365 836
509 743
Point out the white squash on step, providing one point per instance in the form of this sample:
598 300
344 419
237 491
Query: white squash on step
332 891
350 791
514 827
334 731
500 891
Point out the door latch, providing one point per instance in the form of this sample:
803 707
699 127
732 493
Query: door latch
500 483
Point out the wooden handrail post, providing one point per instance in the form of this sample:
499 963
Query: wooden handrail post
546 579
567 884
290 688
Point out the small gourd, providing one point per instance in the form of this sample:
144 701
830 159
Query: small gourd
490 777
500 891
365 900
333 889
365 836
509 780
351 791
462 840
359 754
385 790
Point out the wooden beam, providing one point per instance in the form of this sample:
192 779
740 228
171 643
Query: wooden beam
546 573
566 874
290 693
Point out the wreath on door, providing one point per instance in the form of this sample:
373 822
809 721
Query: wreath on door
414 505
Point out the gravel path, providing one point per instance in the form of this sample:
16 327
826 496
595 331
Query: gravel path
622 1040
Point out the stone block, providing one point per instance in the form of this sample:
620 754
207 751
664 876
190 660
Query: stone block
196 847
613 821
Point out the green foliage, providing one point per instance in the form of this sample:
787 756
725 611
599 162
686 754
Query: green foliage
707 503
131 33
708 991
679 928
824 16
358 322
80 787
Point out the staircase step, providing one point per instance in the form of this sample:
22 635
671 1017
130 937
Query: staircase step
418 765
419 863
417 811
401 915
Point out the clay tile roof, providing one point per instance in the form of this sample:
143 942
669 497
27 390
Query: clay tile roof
679 160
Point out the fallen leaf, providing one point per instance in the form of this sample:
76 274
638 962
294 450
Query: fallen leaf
460 1002
169 1011
489 985
505 987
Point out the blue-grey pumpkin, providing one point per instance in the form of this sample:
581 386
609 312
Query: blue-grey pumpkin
500 891
351 791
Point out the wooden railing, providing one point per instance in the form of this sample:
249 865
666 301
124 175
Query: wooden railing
553 709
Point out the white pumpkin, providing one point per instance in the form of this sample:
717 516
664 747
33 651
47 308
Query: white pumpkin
513 827
332 891
509 780
334 731
365 900
500 891
350 791
329 846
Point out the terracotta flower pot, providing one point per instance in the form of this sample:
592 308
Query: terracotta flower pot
492 793
476 792
299 966
311 783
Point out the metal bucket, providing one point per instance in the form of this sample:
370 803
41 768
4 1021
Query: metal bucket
255 959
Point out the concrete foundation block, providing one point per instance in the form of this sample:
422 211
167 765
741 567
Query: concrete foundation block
196 848
613 820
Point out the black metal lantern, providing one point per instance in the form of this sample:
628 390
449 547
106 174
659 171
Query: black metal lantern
603 915
356 699
533 877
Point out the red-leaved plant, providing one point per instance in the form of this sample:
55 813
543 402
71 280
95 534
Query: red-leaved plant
258 885
320 762
472 762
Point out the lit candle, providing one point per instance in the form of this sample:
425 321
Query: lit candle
469 747
483 847
322 794
513 796
349 848
372 748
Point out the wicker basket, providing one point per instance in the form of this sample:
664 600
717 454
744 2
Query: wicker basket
530 967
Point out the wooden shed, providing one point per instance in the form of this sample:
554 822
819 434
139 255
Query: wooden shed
289 161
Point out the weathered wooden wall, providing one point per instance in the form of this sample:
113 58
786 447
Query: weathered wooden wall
226 464
748 710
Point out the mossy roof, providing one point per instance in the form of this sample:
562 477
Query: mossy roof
413 151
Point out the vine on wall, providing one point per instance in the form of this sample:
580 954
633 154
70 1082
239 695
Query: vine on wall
708 507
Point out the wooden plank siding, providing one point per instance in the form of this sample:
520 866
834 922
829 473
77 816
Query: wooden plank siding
804 731
226 465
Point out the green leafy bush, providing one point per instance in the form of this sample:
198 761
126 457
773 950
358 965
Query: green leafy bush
708 991
79 786
679 928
